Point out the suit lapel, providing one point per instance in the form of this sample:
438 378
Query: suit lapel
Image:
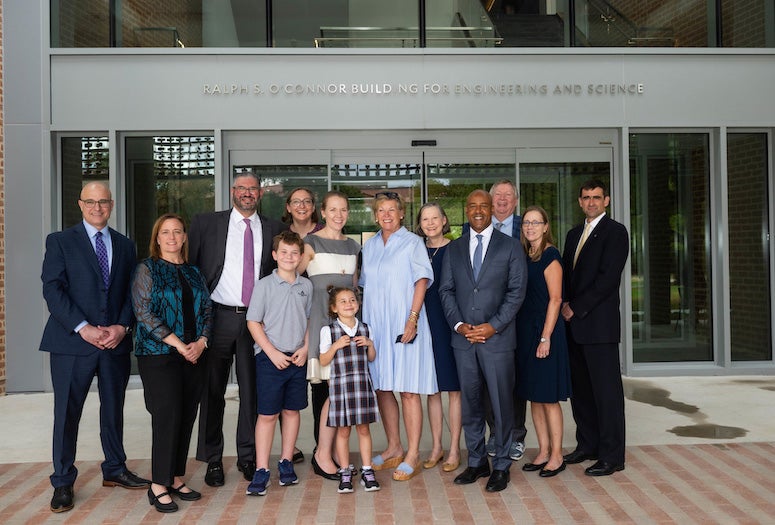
495 242
88 249
466 254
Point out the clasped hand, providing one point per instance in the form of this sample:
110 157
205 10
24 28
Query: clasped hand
476 334
103 337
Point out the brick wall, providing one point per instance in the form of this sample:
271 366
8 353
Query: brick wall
2 218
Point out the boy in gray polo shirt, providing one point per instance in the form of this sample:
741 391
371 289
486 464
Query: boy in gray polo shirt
277 319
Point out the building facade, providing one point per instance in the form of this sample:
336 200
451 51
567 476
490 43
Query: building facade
670 102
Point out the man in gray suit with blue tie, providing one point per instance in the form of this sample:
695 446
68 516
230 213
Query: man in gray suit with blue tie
481 298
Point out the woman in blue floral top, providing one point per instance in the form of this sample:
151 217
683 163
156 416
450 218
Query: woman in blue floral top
174 316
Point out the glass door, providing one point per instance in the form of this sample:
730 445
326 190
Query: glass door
551 177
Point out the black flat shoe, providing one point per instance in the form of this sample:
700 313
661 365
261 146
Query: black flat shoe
153 499
298 456
317 469
532 467
547 473
602 468
192 495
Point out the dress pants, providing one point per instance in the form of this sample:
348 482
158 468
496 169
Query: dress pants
229 337
71 377
484 371
519 433
172 388
597 400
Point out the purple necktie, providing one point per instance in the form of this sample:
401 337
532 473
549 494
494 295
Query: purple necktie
102 257
248 272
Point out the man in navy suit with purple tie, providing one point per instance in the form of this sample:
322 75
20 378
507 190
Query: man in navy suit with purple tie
86 273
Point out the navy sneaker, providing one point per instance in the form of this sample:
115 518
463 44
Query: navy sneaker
260 481
369 480
287 474
345 481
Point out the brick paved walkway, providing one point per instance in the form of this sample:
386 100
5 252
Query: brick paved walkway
705 483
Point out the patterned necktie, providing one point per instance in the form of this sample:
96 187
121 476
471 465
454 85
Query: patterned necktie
478 257
499 226
248 271
583 239
102 257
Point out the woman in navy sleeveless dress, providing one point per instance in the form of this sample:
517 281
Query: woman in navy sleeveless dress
542 350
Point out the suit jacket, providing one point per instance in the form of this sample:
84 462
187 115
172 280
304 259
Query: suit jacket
494 298
592 287
516 226
207 244
74 290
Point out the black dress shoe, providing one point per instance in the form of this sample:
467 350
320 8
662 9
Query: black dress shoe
498 481
317 469
602 468
63 499
127 480
191 495
532 467
548 473
248 468
298 456
577 456
471 474
214 476
153 499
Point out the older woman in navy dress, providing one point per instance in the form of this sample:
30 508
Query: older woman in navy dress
432 224
542 350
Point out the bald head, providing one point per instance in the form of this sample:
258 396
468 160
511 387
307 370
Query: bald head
96 204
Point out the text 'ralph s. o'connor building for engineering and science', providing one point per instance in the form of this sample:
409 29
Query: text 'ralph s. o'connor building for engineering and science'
671 102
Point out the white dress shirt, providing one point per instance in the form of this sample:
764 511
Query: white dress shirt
228 291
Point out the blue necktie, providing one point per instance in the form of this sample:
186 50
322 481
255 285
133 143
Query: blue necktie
102 257
478 257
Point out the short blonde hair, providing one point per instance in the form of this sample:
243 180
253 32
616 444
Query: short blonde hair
383 196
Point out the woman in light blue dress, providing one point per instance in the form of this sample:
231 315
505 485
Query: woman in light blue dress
395 274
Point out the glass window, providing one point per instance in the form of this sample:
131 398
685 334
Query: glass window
360 182
172 23
747 23
749 241
278 181
622 23
167 174
468 23
84 159
670 247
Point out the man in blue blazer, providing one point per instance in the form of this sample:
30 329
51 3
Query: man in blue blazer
217 245
483 280
86 275
593 260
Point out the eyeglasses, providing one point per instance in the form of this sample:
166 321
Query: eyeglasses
245 189
301 202
388 195
533 224
91 203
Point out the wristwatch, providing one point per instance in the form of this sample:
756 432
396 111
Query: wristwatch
543 340
128 329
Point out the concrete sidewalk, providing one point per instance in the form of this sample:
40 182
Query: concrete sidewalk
700 449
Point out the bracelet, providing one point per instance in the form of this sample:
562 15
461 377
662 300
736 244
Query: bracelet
414 316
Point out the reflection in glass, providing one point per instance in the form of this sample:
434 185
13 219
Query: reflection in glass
670 243
167 174
555 187
84 159
360 182
748 23
749 247
450 184
277 180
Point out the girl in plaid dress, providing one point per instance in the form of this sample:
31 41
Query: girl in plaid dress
346 345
